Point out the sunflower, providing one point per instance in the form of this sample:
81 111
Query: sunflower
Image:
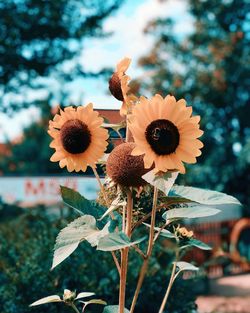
125 169
119 88
78 139
165 133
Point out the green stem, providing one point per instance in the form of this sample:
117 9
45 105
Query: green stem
74 308
144 267
124 254
170 284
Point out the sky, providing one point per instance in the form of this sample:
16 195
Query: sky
127 39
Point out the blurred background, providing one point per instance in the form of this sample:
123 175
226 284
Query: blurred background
63 52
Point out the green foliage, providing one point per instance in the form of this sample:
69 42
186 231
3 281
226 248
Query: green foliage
209 68
26 247
82 205
30 154
163 182
196 243
82 228
203 196
38 36
113 309
69 297
185 266
189 212
116 241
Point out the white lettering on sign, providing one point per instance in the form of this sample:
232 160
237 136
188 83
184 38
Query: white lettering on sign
44 190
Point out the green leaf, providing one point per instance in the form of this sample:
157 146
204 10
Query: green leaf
189 212
94 301
113 309
82 228
115 223
84 295
116 241
80 204
116 204
185 266
196 243
163 182
167 234
115 127
164 232
206 197
48 299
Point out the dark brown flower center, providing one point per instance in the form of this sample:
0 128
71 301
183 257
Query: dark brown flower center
125 169
163 136
115 87
75 136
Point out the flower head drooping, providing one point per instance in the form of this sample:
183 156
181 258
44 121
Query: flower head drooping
78 138
125 169
165 133
119 88
118 83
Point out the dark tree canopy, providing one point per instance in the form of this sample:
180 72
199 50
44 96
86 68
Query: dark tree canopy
38 35
211 70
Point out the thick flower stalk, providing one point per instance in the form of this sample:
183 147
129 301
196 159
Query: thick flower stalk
162 136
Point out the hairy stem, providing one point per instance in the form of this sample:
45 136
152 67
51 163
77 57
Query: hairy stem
112 215
124 254
170 284
144 267
116 262
101 186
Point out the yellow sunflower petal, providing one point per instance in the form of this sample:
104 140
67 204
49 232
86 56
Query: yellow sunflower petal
185 155
170 118
63 163
136 151
147 161
85 122
122 66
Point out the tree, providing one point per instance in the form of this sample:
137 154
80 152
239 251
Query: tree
38 36
210 69
30 153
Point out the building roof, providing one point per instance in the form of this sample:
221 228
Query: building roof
113 116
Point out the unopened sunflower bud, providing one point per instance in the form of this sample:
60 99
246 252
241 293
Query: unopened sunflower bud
184 233
68 295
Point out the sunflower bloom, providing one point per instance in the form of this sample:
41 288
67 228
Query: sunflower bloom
78 138
166 133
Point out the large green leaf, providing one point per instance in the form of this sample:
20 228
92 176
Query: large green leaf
206 197
80 204
83 228
113 309
189 212
116 241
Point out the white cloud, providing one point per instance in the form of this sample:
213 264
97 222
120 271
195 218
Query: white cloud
128 37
